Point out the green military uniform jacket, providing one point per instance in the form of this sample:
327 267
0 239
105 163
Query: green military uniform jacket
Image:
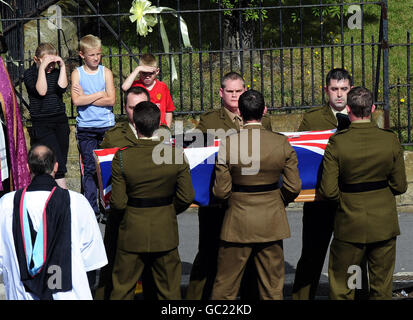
119 136
219 119
364 153
152 229
319 118
260 216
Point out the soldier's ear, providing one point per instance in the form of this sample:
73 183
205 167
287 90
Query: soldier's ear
373 108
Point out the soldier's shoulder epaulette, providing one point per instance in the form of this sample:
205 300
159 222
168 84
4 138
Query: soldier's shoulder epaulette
340 132
210 112
278 133
117 127
314 109
388 130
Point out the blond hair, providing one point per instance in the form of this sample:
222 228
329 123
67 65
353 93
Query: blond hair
148 60
45 48
89 42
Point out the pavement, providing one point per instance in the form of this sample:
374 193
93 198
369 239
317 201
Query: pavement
402 278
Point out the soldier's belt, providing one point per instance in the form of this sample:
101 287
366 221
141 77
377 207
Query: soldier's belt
256 188
149 202
364 186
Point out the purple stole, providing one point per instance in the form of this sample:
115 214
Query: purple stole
20 176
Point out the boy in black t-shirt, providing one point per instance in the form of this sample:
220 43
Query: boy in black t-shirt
45 86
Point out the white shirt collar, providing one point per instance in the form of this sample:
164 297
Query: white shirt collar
133 130
344 111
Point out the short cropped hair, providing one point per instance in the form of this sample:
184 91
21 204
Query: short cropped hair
41 159
148 60
137 91
232 76
89 42
146 117
251 105
360 101
338 74
45 48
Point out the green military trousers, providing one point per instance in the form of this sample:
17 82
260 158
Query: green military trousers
166 270
346 256
232 260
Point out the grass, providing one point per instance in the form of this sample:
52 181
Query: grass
295 73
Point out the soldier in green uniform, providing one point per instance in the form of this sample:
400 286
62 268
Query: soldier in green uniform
318 216
363 171
122 135
255 222
151 195
210 218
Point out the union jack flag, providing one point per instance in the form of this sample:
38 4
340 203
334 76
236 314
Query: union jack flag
103 158
309 146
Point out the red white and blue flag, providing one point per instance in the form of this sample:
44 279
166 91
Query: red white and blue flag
309 146
103 158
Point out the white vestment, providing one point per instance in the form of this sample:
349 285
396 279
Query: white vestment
88 251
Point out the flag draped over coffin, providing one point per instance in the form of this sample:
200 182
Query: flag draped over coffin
309 146
103 158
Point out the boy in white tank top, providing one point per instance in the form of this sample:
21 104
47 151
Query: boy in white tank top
93 93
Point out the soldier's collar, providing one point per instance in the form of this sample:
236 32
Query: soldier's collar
252 124
232 115
133 129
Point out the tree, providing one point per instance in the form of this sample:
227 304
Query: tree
235 37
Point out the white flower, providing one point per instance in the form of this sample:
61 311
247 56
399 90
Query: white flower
144 14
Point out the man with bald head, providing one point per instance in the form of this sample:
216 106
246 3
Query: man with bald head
50 237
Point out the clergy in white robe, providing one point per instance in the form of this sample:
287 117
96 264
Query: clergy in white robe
87 249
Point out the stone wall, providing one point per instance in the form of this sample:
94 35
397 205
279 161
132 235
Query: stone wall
405 201
279 122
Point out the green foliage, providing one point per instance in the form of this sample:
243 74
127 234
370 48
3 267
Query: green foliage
249 14
332 11
328 12
257 66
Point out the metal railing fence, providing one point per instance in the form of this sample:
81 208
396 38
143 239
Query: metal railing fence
284 48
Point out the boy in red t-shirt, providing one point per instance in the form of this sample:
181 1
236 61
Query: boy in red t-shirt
148 71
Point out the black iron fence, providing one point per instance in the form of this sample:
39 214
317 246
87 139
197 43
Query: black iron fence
284 48
402 92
